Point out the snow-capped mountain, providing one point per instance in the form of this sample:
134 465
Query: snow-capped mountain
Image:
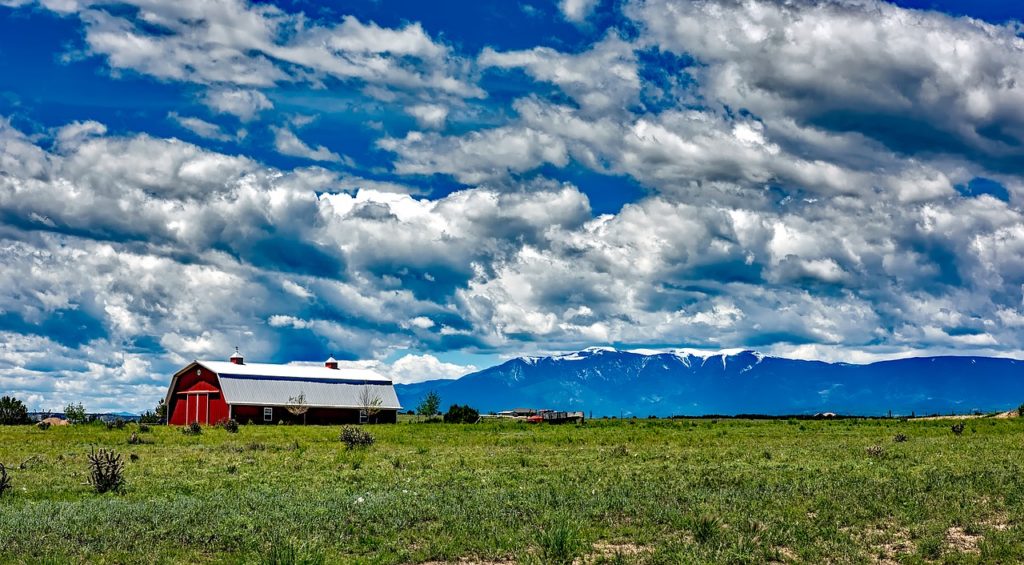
610 382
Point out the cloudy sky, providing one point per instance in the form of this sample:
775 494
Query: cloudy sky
431 187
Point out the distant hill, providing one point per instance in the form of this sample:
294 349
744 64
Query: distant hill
608 382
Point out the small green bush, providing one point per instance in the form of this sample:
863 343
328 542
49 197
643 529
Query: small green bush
354 437
957 429
461 415
230 426
900 438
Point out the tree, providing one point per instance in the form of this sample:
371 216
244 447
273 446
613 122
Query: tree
155 416
75 413
430 405
12 412
297 405
370 402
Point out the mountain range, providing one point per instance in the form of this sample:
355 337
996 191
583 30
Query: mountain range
610 382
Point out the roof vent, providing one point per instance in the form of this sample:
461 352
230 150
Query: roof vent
331 363
236 358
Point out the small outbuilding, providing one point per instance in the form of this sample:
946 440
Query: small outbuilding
208 392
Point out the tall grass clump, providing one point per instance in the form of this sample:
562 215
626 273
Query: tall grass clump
230 426
106 471
559 542
192 429
705 528
286 552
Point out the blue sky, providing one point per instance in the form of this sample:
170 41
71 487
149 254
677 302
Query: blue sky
429 188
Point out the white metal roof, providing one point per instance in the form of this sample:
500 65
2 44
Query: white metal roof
275 391
267 384
223 368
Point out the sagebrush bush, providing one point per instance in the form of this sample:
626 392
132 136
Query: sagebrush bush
143 428
875 451
230 426
106 471
134 439
355 437
900 438
5 480
192 429
115 424
957 428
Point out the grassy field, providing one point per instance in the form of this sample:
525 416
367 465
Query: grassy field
642 491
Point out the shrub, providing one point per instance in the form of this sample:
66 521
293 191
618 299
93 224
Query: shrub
5 480
43 425
230 426
143 428
12 412
355 437
875 451
461 415
134 439
192 429
106 471
1020 410
957 428
899 438
115 424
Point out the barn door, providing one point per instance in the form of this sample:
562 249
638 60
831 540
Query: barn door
203 406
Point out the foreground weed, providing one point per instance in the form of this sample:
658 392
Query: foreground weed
5 480
559 542
106 471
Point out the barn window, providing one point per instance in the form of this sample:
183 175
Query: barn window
268 414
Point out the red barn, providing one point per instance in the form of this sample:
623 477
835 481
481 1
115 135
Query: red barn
208 392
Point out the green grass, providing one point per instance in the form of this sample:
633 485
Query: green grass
638 491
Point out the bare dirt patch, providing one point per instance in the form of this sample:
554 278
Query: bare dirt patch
470 561
886 542
957 539
787 555
604 551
